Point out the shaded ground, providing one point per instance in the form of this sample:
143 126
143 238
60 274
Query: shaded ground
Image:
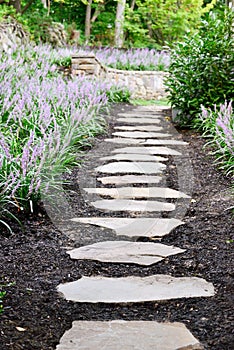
34 261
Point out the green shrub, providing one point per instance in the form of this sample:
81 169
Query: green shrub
201 69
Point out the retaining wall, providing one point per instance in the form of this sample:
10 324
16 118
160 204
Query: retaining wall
142 84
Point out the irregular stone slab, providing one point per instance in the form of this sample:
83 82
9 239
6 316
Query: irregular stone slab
135 289
125 141
134 227
152 108
148 150
128 167
125 252
129 179
138 120
135 157
131 205
137 192
140 134
165 142
138 127
128 335
138 114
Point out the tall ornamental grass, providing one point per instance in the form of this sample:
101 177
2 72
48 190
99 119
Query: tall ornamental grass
132 59
135 59
218 126
44 120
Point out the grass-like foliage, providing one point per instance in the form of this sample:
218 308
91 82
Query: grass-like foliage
201 69
134 59
218 126
45 120
131 59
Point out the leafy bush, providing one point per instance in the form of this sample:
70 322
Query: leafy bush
201 69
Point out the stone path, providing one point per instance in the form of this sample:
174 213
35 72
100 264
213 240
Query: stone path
149 200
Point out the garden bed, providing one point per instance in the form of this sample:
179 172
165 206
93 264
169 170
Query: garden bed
34 261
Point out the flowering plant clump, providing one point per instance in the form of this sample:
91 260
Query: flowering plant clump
219 125
45 119
132 59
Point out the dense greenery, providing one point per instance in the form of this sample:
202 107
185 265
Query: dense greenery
201 70
201 84
148 23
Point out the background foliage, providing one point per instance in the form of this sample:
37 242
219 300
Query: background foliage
201 70
148 23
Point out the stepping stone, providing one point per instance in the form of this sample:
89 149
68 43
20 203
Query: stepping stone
128 335
125 252
134 227
138 120
131 205
129 179
148 150
135 157
139 127
125 141
151 108
137 192
128 167
140 134
165 142
138 114
134 289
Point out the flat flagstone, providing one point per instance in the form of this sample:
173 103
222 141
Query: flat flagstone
137 192
134 227
125 141
129 179
151 108
138 120
138 127
135 157
135 289
140 134
148 150
132 205
125 252
128 167
165 142
128 335
138 114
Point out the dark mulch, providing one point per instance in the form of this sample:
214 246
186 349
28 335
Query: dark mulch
34 261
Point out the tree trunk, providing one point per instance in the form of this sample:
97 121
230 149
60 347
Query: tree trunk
16 4
88 21
119 23
133 4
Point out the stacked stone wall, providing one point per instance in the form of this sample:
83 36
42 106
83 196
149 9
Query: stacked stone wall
142 84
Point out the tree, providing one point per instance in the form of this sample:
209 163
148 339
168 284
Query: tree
88 20
119 23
